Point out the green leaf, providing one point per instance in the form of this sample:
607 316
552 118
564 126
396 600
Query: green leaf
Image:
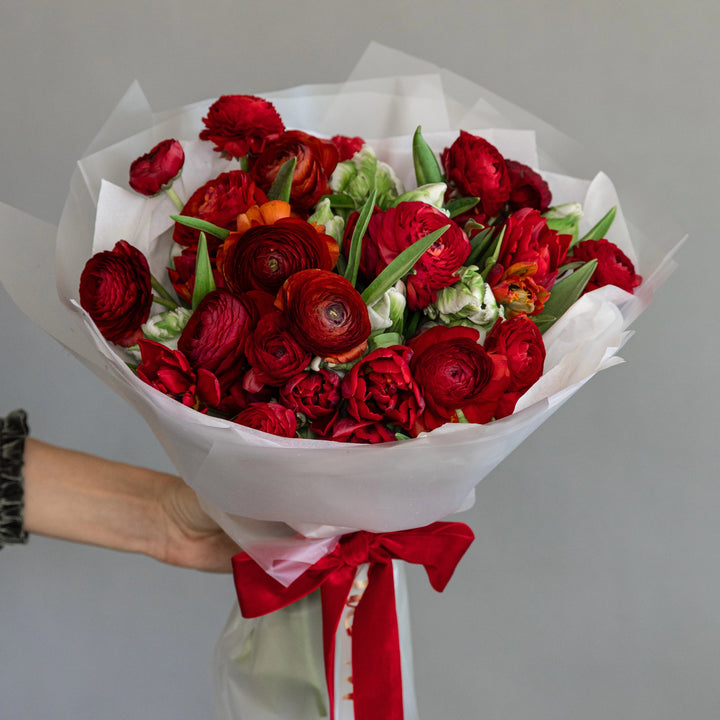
573 265
402 436
203 225
280 189
412 322
460 205
563 294
599 230
351 271
384 340
204 280
427 169
461 416
490 257
340 200
479 245
400 267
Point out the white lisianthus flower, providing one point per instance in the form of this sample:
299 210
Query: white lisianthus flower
468 302
166 327
357 176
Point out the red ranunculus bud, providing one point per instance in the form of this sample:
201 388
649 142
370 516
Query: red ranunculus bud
154 172
116 291
241 124
270 418
528 189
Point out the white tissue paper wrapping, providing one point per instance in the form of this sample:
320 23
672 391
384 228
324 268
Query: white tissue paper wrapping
287 500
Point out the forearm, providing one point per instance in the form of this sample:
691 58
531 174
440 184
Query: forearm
79 497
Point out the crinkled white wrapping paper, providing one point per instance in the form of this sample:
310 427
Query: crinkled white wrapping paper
265 490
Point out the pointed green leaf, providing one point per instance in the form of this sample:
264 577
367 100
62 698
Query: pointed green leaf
412 322
460 205
599 230
400 267
488 259
204 280
351 271
384 340
203 225
401 436
563 294
282 184
427 169
340 200
479 245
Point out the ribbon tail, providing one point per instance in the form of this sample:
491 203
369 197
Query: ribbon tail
377 671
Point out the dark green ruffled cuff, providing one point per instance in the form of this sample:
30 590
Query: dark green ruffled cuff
13 431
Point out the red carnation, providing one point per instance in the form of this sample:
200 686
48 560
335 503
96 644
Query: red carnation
116 291
155 171
218 201
326 314
455 373
614 266
475 168
316 160
240 124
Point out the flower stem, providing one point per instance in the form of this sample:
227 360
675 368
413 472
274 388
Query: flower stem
175 198
244 163
164 296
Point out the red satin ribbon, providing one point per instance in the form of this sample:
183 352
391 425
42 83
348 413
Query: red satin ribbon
377 678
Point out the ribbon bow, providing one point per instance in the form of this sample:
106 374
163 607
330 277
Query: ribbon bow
377 679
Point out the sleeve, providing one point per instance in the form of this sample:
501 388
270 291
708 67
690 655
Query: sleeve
13 431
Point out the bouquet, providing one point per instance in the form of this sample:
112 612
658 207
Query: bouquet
339 308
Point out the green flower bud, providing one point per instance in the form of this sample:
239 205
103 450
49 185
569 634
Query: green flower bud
323 215
564 219
386 313
432 194
166 327
357 176
468 302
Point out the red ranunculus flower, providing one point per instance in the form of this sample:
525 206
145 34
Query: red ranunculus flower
315 394
475 168
396 229
240 124
528 189
155 171
218 201
347 429
614 266
215 335
528 239
269 246
116 291
170 372
182 275
273 353
326 313
520 341
455 373
316 160
270 418
347 146
380 387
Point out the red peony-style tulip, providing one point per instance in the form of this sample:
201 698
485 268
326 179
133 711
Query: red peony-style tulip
116 291
315 394
475 168
155 171
326 313
316 160
215 335
347 429
270 418
396 229
269 246
241 124
614 266
170 372
218 201
455 373
381 388
521 343
527 188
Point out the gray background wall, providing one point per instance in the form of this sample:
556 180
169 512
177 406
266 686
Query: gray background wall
593 589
